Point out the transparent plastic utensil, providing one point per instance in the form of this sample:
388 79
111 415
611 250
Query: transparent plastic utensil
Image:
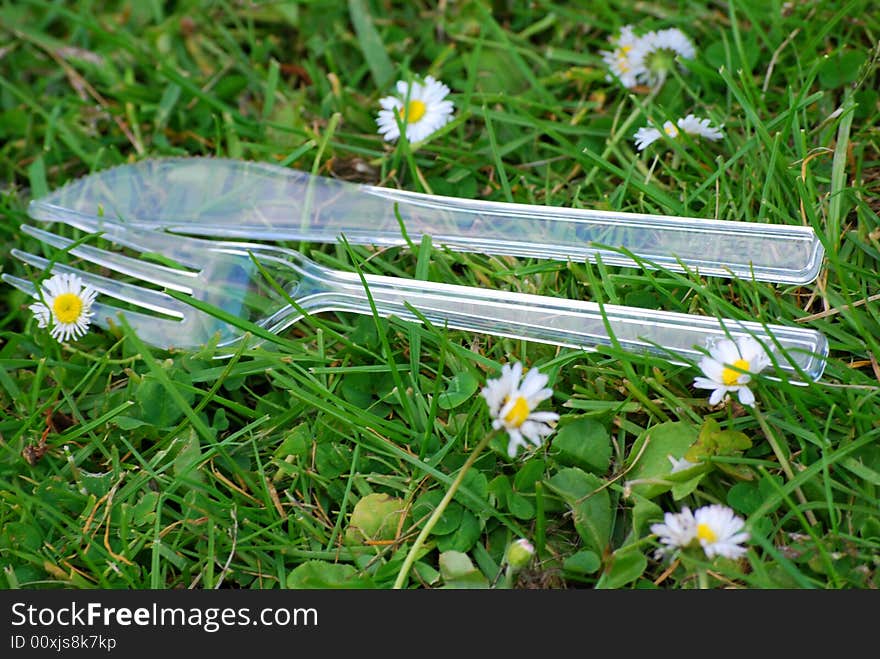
233 277
259 201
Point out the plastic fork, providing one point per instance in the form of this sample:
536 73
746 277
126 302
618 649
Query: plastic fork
227 198
226 274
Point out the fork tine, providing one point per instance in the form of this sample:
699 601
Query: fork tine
142 297
150 329
23 285
183 249
154 273
140 322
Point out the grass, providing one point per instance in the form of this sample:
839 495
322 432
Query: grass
316 461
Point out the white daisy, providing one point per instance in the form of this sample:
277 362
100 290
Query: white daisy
66 306
647 135
419 107
680 464
691 125
655 53
678 531
719 531
729 367
511 403
620 60
715 529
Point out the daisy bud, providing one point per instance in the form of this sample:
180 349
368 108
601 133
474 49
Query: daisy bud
519 553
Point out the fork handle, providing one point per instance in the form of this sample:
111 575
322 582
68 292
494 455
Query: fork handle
680 338
721 248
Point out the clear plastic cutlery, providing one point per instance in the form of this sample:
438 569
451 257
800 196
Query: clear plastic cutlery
247 280
258 201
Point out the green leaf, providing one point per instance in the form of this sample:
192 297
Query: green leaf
644 512
864 472
129 423
426 573
529 474
624 566
583 562
500 488
98 484
476 483
643 298
717 54
461 388
651 474
457 571
151 396
37 178
228 87
842 68
367 391
494 74
221 422
590 503
297 441
332 459
321 574
684 488
740 472
745 498
571 484
62 496
584 443
144 511
424 507
371 44
365 333
865 99
21 536
186 462
377 516
769 486
521 507
712 440
463 537
13 122
869 528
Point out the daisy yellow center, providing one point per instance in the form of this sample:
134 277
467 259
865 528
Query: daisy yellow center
413 112
730 376
704 532
671 130
518 413
623 58
67 307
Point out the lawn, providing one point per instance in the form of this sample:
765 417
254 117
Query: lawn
318 460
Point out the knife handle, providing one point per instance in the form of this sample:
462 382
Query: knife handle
721 248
